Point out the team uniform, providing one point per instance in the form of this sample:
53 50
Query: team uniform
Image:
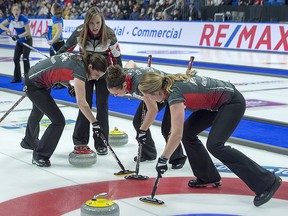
1 20
216 104
111 51
40 79
51 33
133 77
19 26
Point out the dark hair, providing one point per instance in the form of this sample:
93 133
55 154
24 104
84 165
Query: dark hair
115 77
57 10
97 61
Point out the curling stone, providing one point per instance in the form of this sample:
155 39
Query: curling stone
82 156
117 137
100 206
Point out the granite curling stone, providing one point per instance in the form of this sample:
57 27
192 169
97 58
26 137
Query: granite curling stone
82 156
117 137
100 206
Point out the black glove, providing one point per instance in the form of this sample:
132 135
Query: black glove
71 91
141 136
15 37
97 130
161 165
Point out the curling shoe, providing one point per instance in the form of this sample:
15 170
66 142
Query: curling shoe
142 159
196 183
264 197
101 150
100 146
41 162
179 164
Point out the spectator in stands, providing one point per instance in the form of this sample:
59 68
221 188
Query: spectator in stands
130 6
193 12
81 7
135 13
123 6
225 2
2 8
184 10
43 11
149 13
157 16
107 13
178 3
113 7
169 10
74 13
29 9
125 15
158 7
176 14
211 3
144 4
143 14
105 5
242 2
151 4
258 2
119 14
67 11
83 11
62 3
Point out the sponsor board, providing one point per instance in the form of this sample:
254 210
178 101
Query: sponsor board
271 37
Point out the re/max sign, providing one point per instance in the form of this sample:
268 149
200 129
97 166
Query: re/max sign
245 36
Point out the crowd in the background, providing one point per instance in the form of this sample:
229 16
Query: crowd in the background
112 9
122 9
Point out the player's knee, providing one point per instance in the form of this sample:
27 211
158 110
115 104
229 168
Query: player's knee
190 141
214 147
59 122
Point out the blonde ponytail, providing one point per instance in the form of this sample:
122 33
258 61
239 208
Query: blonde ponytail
152 82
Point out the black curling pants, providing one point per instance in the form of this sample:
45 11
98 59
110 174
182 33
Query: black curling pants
43 104
82 126
223 123
19 50
149 150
